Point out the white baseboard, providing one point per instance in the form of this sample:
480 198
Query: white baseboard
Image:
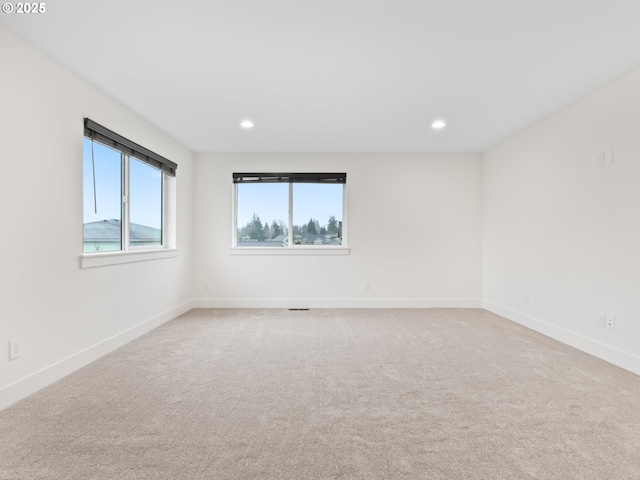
334 303
24 387
600 350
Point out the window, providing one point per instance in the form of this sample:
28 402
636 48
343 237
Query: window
123 193
289 209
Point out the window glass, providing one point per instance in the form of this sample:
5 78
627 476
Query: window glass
262 214
102 199
317 214
288 213
145 205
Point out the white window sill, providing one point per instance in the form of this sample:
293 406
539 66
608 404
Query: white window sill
290 251
89 260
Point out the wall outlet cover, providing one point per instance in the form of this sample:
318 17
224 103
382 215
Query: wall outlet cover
15 348
611 322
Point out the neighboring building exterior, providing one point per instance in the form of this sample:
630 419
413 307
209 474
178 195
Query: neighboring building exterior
106 236
283 240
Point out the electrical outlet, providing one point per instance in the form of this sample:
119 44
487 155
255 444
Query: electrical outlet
527 299
611 321
15 349
205 285
366 286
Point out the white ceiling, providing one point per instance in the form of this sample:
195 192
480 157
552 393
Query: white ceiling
340 75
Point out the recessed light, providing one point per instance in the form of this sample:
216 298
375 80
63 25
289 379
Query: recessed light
246 124
438 124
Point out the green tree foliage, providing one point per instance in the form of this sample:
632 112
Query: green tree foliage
257 230
332 225
311 227
276 229
253 229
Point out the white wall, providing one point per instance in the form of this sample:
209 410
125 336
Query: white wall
565 232
414 229
67 316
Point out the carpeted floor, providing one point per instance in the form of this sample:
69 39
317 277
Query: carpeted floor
331 394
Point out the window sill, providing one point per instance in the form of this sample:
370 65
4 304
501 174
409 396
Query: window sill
290 251
90 260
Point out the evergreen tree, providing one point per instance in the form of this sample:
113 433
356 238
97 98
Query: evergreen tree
332 226
257 230
276 229
311 227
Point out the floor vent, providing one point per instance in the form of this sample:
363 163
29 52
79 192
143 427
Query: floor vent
298 309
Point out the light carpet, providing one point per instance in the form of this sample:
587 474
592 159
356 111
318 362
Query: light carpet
332 394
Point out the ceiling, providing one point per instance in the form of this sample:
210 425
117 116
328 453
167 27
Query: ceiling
340 75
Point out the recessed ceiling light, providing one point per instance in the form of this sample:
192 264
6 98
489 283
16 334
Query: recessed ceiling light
438 124
246 124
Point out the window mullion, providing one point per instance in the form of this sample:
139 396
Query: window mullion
290 215
163 212
342 232
125 203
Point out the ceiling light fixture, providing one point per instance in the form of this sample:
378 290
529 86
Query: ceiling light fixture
438 124
246 124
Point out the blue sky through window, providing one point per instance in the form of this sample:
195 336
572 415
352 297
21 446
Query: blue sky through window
145 194
145 187
269 201
317 201
108 183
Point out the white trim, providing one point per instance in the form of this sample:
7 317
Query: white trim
289 218
345 223
335 303
295 250
234 215
163 206
125 226
89 260
610 354
30 384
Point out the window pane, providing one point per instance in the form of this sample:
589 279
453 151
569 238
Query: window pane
317 214
145 204
102 204
262 214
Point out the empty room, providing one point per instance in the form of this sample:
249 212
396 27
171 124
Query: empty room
320 240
